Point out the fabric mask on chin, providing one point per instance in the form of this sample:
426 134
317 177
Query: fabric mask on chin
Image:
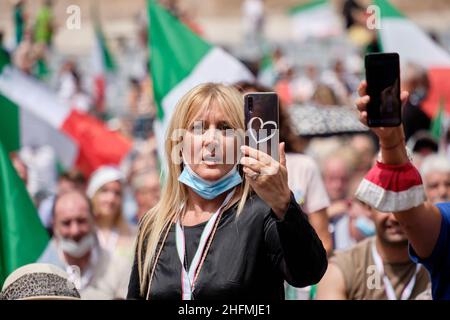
209 189
77 249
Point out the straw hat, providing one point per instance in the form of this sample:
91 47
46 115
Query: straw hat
39 281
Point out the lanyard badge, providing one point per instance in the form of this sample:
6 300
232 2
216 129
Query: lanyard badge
389 289
189 275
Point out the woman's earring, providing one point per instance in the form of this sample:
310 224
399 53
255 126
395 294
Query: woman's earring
181 156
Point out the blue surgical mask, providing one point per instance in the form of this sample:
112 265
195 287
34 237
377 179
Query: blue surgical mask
365 226
209 189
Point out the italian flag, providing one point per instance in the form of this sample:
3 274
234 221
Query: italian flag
437 125
315 19
103 64
267 74
180 60
22 236
399 34
32 114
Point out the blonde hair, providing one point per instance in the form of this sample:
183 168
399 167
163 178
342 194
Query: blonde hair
119 221
157 221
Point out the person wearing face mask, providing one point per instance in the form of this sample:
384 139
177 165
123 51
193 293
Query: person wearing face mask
74 248
377 268
225 227
395 185
355 225
105 189
415 80
305 181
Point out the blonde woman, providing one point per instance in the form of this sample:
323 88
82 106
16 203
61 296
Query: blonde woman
216 234
105 189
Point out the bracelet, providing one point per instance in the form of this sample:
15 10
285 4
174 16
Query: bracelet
392 147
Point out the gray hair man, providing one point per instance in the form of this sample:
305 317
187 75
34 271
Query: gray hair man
435 172
74 247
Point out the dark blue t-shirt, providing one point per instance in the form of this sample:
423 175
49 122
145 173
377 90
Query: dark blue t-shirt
438 263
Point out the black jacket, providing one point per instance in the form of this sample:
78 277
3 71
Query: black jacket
249 258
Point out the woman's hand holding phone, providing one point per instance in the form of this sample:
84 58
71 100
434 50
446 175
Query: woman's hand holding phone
261 110
264 159
268 177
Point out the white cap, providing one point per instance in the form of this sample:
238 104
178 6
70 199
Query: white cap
102 176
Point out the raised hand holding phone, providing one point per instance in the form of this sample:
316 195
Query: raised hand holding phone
392 139
264 160
383 87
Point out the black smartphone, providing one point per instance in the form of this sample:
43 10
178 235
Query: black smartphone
383 87
262 122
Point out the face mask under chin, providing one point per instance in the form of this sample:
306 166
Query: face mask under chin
77 249
365 226
209 189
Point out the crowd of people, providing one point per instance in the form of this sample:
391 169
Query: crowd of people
308 231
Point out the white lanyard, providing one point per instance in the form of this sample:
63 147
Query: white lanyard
188 277
389 289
